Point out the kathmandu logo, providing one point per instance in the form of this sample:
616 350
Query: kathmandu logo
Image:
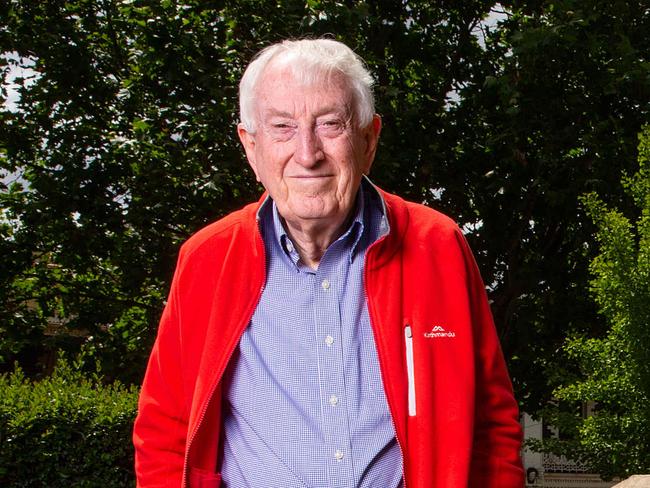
439 331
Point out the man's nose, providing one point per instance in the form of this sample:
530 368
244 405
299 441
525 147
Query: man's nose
309 150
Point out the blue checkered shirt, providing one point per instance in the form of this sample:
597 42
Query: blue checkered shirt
304 404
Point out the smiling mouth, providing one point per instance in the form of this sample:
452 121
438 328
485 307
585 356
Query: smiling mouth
310 177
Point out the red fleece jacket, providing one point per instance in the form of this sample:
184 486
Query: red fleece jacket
450 397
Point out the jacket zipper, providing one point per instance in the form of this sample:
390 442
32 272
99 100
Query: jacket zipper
365 294
186 473
410 370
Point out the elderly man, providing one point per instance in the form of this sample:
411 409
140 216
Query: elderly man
331 334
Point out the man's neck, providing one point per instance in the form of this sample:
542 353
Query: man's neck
311 240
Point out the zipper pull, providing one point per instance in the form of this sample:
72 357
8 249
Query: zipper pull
410 369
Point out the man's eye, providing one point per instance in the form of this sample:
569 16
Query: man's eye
281 129
333 124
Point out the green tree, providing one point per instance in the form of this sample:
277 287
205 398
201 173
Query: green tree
615 368
555 115
124 144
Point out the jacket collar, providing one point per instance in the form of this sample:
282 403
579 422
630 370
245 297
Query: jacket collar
394 208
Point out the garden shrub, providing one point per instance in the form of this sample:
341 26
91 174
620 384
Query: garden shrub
67 430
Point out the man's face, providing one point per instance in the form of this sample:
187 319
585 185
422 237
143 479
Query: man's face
307 150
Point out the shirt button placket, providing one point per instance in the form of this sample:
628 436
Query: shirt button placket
335 426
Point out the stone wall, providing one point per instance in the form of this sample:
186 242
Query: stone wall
636 481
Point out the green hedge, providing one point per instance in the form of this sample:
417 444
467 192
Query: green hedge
68 430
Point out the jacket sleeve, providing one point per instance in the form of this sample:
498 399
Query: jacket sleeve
496 457
160 428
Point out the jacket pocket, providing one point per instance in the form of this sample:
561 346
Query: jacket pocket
200 478
410 369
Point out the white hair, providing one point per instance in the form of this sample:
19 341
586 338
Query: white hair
309 60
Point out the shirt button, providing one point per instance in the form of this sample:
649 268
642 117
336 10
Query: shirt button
338 455
290 247
329 340
334 400
325 284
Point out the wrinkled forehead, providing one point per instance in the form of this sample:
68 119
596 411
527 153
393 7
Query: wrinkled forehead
283 74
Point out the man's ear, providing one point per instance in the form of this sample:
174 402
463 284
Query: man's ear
248 141
371 136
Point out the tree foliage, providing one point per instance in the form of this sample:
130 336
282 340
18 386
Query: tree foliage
123 144
557 118
615 368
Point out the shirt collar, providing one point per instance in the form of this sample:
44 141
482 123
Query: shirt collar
351 236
